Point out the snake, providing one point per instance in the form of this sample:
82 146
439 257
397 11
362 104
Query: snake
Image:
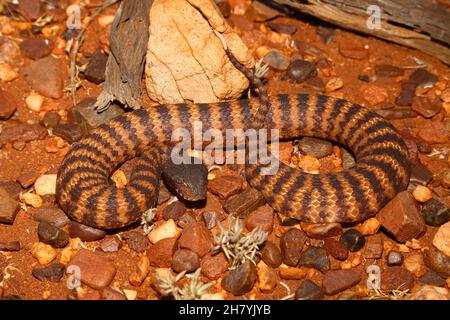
85 193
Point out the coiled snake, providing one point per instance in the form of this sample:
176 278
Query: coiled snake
381 170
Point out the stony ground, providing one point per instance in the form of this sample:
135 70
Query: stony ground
406 244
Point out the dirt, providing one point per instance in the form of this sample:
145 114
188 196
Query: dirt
34 155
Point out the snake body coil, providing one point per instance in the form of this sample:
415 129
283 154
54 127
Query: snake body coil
381 171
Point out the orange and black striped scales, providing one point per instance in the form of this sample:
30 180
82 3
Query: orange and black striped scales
381 170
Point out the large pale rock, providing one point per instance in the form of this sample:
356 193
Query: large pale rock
186 61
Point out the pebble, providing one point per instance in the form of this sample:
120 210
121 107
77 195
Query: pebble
45 185
430 293
36 48
141 270
353 240
422 193
336 249
22 132
185 220
325 34
164 195
84 232
267 277
420 174
271 254
336 281
262 217
401 217
167 229
334 84
291 243
225 186
445 181
9 50
28 176
276 59
414 264
308 290
432 278
51 215
441 239
197 238
7 73
45 76
315 147
44 253
32 199
111 244
425 107
53 272
136 241
375 95
7 105
434 132
388 71
88 117
315 257
394 258
374 247
292 273
110 294
9 207
240 205
435 213
9 246
321 230
31 9
34 102
12 188
240 280
214 266
174 211
96 67
69 132
396 278
185 260
96 271
224 7
315 83
160 253
397 113
282 28
423 78
301 70
210 218
370 226
437 261
353 51
348 161
52 235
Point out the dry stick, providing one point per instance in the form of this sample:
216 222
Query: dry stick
76 48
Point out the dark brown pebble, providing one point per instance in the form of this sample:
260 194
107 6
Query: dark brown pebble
291 243
396 278
225 186
69 132
136 241
420 174
336 281
437 261
432 278
315 257
53 272
50 119
185 260
36 48
52 235
52 215
9 246
174 211
374 247
435 213
213 266
210 219
388 71
353 240
111 244
96 67
12 188
8 105
240 280
336 249
163 195
301 70
9 207
282 27
308 290
84 232
271 254
326 34
422 78
425 107
243 203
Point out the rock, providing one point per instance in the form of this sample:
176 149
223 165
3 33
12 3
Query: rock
185 220
32 199
69 132
44 253
260 12
422 78
315 83
86 115
22 132
45 76
434 132
336 249
167 229
315 147
276 59
396 278
240 280
96 67
160 253
45 184
240 205
425 107
7 105
374 247
423 147
336 281
210 218
315 257
53 272
84 232
370 226
420 174
224 7
301 70
397 113
9 50
271 254
111 244
437 261
422 194
225 186
260 218
441 239
445 181
402 218
12 188
34 102
321 230
50 120
353 50
388 71
174 211
7 73
282 27
52 235
353 240
267 277
308 290
10 246
375 95
36 48
430 293
51 215
31 9
334 84
214 266
348 161
190 38
140 272
326 34
291 273
197 238
291 243
394 258
432 278
407 93
164 195
185 260
435 213
95 270
111 294
414 264
9 207
136 241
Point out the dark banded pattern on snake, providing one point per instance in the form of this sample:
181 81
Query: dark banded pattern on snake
382 169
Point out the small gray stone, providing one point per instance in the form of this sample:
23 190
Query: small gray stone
394 258
435 213
315 257
308 290
315 147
